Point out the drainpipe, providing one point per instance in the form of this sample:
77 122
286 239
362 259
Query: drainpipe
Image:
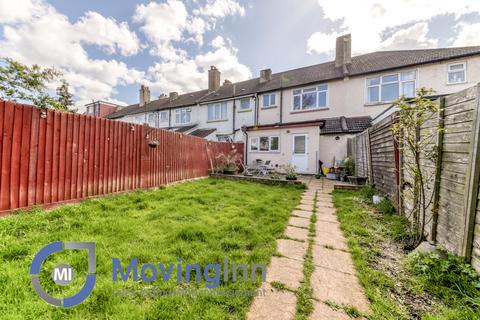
169 117
281 104
234 112
256 110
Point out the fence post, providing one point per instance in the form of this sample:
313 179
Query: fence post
369 157
438 171
472 181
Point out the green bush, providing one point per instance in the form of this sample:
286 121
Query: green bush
385 206
367 192
448 277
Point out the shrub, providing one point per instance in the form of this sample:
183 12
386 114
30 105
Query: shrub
385 206
367 192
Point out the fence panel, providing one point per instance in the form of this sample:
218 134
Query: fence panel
49 157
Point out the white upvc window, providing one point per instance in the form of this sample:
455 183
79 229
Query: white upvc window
269 100
265 143
163 116
182 115
140 119
217 111
457 73
310 98
390 87
151 120
245 104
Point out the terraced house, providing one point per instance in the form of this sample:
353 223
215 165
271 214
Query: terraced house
306 115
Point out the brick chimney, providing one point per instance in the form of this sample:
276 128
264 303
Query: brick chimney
265 75
173 95
213 79
343 50
144 95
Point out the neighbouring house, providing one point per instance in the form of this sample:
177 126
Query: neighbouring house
100 108
306 115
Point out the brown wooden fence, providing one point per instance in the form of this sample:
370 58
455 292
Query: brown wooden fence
453 217
49 157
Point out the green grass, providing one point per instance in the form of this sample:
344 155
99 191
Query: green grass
451 283
305 291
201 222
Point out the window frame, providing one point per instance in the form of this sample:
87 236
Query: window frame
270 138
214 106
381 83
249 104
299 92
160 119
464 64
181 112
270 105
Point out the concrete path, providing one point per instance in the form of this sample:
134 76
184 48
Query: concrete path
333 280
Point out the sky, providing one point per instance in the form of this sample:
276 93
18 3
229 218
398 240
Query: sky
106 49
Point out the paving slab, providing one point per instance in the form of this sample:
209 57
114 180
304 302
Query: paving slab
306 197
274 304
285 270
325 210
321 205
302 213
327 218
307 202
338 287
333 259
321 311
292 249
330 240
328 227
306 207
296 233
299 222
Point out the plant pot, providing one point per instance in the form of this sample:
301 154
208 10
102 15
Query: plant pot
291 178
360 181
229 171
331 176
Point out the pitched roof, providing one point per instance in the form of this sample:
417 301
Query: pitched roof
345 125
202 133
361 65
183 129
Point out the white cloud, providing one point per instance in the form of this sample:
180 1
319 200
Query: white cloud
468 35
218 42
367 20
19 10
48 38
221 8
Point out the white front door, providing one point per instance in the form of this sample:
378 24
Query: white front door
300 152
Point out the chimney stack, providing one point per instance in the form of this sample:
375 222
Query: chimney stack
144 95
173 95
162 96
213 79
265 75
343 50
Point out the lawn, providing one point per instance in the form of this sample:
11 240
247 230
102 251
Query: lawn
401 285
202 222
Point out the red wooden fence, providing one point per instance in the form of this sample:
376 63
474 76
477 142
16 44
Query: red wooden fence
49 157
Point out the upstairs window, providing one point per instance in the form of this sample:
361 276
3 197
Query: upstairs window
457 73
389 87
245 104
310 98
182 116
151 120
269 100
217 111
164 116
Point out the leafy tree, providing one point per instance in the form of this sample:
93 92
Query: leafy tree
64 96
27 83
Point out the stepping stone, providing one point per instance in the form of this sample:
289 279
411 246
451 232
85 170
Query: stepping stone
323 204
327 218
292 249
330 240
325 210
328 227
333 259
338 287
306 207
274 304
323 312
299 222
308 197
296 233
302 213
286 271
307 202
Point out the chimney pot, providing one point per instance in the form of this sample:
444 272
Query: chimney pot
144 95
213 79
226 81
265 75
343 50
